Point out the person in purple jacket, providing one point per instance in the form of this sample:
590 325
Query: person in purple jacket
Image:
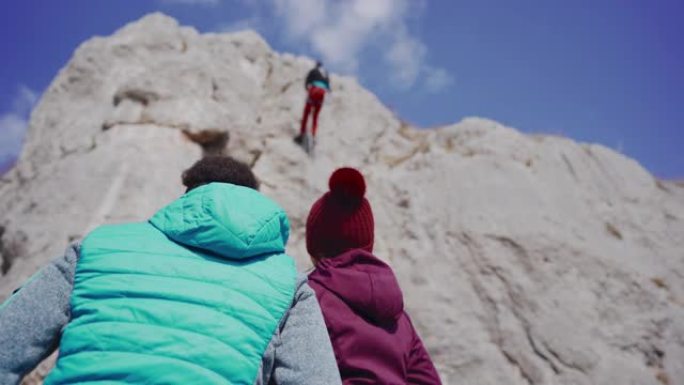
363 307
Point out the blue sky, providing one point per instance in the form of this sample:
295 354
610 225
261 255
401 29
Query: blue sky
606 71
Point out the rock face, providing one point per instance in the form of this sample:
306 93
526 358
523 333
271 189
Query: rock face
523 259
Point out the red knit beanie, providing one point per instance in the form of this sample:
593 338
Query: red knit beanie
342 218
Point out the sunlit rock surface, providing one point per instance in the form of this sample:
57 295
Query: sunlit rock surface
523 259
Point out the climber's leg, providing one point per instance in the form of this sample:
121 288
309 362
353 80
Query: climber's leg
302 128
317 97
316 111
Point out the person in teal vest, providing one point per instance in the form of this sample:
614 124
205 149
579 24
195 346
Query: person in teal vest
201 293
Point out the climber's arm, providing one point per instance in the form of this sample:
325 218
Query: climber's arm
32 319
420 370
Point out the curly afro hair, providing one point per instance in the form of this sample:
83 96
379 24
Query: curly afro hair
217 168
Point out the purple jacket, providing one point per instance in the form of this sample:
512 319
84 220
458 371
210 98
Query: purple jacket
372 336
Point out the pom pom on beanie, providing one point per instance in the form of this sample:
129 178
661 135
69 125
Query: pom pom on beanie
347 185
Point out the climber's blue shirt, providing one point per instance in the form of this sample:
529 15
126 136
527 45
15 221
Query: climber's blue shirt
321 84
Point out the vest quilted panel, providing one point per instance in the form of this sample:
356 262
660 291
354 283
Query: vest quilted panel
148 310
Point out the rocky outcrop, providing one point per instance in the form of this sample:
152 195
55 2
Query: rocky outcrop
523 259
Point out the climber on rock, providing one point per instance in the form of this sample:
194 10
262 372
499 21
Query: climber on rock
317 84
201 293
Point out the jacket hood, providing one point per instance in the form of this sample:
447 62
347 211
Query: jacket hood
363 282
232 221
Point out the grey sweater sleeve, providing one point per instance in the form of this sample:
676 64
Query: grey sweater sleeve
302 351
31 320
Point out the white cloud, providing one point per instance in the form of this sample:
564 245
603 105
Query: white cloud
13 123
437 79
341 31
406 56
12 129
193 2
25 99
240 25
302 17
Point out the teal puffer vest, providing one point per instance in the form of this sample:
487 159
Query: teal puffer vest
191 297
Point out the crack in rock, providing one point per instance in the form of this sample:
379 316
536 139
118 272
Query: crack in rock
514 304
143 97
256 156
560 360
286 87
570 168
491 322
213 142
518 250
65 152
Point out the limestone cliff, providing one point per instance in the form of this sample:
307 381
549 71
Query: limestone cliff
524 259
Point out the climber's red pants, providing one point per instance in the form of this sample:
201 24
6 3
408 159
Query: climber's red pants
315 102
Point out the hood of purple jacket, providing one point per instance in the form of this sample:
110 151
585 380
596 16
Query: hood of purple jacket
363 282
